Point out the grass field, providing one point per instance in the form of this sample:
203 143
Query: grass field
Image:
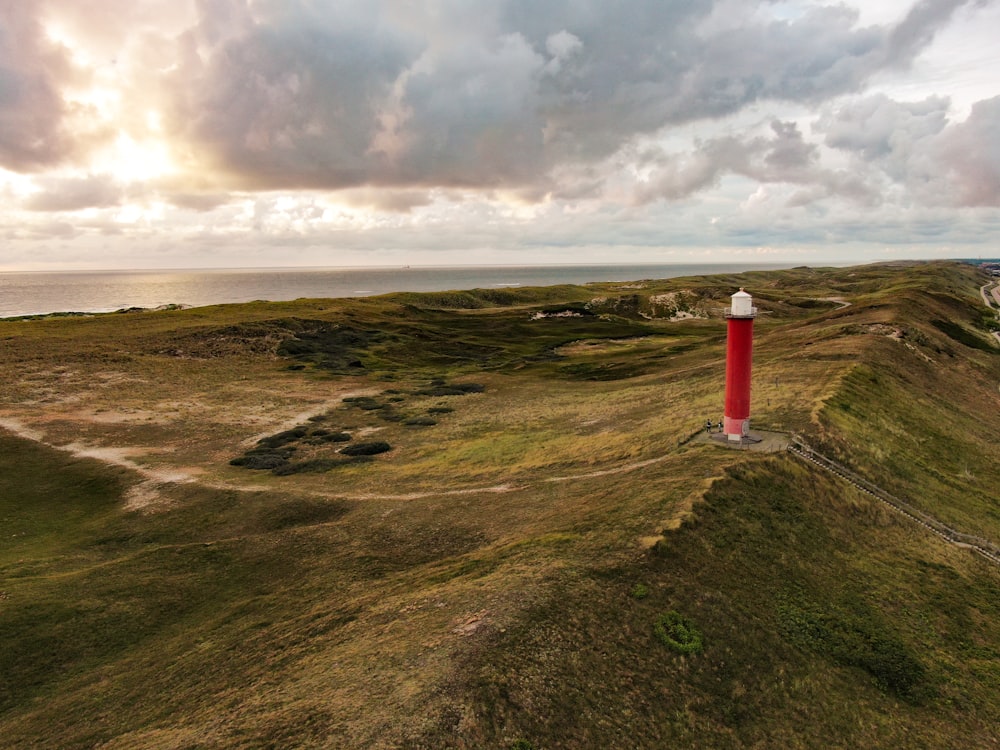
492 577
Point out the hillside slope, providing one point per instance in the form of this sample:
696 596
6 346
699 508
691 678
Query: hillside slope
495 577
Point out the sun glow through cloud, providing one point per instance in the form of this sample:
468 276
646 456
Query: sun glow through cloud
133 161
368 128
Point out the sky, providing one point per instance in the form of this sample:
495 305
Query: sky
265 133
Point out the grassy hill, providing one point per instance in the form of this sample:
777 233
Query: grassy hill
528 499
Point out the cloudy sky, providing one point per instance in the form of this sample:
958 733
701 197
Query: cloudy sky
243 133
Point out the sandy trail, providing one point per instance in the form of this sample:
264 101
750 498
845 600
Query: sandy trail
138 496
148 494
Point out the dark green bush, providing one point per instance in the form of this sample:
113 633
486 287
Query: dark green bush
440 410
334 437
365 403
677 633
451 389
284 451
282 438
260 461
366 449
419 422
313 466
956 332
858 639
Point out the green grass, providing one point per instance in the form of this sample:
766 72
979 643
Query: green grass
495 579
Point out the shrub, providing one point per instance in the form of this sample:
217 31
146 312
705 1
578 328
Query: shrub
314 466
284 451
281 438
640 591
366 449
677 633
452 389
440 410
419 422
366 403
469 387
260 461
334 437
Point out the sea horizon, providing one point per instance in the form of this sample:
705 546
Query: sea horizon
92 291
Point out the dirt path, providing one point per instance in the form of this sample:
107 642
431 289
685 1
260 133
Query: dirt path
140 495
149 494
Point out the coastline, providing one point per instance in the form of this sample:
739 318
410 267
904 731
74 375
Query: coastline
32 295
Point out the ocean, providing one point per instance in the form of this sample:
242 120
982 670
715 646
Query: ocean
30 293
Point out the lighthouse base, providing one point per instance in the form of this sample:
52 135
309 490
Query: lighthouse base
735 429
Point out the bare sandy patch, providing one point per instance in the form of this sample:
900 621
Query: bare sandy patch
21 430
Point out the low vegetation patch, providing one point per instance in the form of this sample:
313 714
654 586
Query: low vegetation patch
371 448
321 437
855 637
329 346
640 591
451 389
677 633
260 461
283 438
957 332
316 465
274 452
365 403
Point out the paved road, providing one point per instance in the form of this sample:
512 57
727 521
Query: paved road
993 290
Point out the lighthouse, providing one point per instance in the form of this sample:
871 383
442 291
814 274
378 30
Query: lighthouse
739 350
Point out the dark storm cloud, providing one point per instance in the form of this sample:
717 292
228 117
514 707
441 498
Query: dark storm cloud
292 99
393 101
335 95
32 110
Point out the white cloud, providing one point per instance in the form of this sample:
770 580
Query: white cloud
508 124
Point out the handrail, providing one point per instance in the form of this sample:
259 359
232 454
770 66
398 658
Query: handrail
984 547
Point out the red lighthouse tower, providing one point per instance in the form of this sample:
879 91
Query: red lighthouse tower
739 350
